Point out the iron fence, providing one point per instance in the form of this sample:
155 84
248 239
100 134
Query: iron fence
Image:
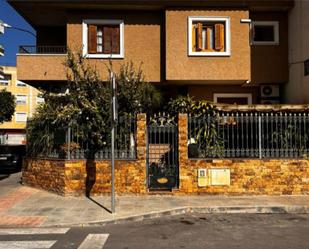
42 49
67 143
249 135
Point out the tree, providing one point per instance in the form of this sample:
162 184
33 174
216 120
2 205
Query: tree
204 136
7 106
86 106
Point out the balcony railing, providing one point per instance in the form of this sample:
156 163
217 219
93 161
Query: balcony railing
42 50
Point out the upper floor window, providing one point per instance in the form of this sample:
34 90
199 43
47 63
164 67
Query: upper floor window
6 79
209 36
20 117
39 100
103 38
21 99
20 83
265 33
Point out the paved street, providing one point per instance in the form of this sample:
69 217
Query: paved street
195 231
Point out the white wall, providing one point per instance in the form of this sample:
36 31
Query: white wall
297 90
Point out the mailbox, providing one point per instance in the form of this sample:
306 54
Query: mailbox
202 178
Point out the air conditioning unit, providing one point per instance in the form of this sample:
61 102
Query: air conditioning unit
270 91
270 94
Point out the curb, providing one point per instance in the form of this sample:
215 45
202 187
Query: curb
198 210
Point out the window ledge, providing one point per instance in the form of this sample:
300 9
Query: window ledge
104 56
209 54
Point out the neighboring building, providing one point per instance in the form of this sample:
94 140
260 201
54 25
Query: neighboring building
1 50
208 49
297 90
27 99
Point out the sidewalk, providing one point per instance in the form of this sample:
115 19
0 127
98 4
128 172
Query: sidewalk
22 206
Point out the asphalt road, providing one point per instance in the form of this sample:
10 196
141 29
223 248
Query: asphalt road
195 231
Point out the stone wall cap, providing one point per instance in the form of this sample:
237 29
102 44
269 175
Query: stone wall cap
262 108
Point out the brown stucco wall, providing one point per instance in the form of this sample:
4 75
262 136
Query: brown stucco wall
41 67
206 92
142 39
270 62
142 45
180 66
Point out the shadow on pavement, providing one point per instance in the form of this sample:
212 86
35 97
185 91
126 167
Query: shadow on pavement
100 205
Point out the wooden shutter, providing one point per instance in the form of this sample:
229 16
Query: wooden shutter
219 36
107 40
92 39
115 39
193 38
199 36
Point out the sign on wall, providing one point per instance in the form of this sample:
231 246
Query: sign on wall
219 177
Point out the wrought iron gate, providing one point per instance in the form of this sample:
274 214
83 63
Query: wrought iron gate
162 152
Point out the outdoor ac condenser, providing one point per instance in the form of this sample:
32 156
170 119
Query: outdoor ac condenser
270 94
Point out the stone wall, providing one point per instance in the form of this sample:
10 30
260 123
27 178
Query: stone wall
45 174
80 177
247 176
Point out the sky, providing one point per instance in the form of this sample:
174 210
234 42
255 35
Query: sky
12 39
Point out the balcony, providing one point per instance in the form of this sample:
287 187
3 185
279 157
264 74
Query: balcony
37 64
42 50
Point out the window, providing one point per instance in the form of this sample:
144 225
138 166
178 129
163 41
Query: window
103 38
233 98
39 100
20 83
306 63
21 99
21 117
265 33
6 79
209 36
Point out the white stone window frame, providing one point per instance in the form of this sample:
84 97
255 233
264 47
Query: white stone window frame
39 100
23 101
119 22
227 22
21 113
274 24
233 95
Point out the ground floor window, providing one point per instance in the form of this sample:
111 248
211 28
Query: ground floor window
233 98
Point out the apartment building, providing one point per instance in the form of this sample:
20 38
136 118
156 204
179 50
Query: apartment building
229 51
297 89
27 98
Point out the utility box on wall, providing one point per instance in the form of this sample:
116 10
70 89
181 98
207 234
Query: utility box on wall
202 179
219 177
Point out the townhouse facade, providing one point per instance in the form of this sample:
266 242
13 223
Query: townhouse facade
222 51
27 99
